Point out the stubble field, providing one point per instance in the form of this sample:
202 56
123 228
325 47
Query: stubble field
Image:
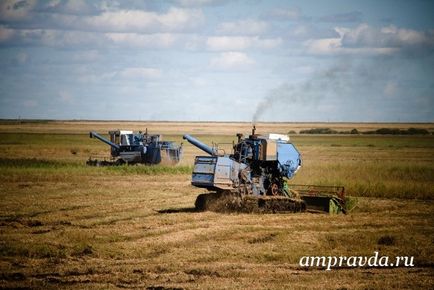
65 225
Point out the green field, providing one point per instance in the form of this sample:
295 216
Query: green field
65 225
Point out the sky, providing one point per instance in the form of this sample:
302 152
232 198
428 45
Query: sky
218 60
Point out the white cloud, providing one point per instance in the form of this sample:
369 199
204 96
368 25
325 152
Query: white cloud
176 19
305 31
75 6
51 37
62 38
243 27
139 73
231 61
364 39
157 40
334 46
82 16
390 36
16 9
59 38
69 7
53 3
71 23
229 43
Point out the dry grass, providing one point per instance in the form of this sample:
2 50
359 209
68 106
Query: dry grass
63 225
107 232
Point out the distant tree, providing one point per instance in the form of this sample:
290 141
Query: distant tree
396 131
388 131
319 131
417 131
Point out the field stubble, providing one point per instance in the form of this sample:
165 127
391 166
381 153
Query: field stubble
66 225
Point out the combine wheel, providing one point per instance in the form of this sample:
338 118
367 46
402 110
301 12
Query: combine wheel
274 189
200 203
207 201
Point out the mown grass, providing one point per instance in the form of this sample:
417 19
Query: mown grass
109 234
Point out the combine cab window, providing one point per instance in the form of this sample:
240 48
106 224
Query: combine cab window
114 137
125 140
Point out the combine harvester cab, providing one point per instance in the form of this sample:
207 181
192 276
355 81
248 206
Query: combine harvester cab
254 178
127 147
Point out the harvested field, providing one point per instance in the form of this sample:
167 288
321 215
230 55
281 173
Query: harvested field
65 225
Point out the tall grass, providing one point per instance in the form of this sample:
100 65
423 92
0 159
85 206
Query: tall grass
150 170
26 170
389 179
382 166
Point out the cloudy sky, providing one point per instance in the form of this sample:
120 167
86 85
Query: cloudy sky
219 60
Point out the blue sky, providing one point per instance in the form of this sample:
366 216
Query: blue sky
218 60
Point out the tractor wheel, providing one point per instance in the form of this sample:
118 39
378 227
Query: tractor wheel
274 189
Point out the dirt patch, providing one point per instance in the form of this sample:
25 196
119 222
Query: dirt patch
386 240
163 288
17 276
263 239
43 231
202 272
32 223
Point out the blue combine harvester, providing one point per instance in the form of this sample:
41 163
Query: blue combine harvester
254 178
127 147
